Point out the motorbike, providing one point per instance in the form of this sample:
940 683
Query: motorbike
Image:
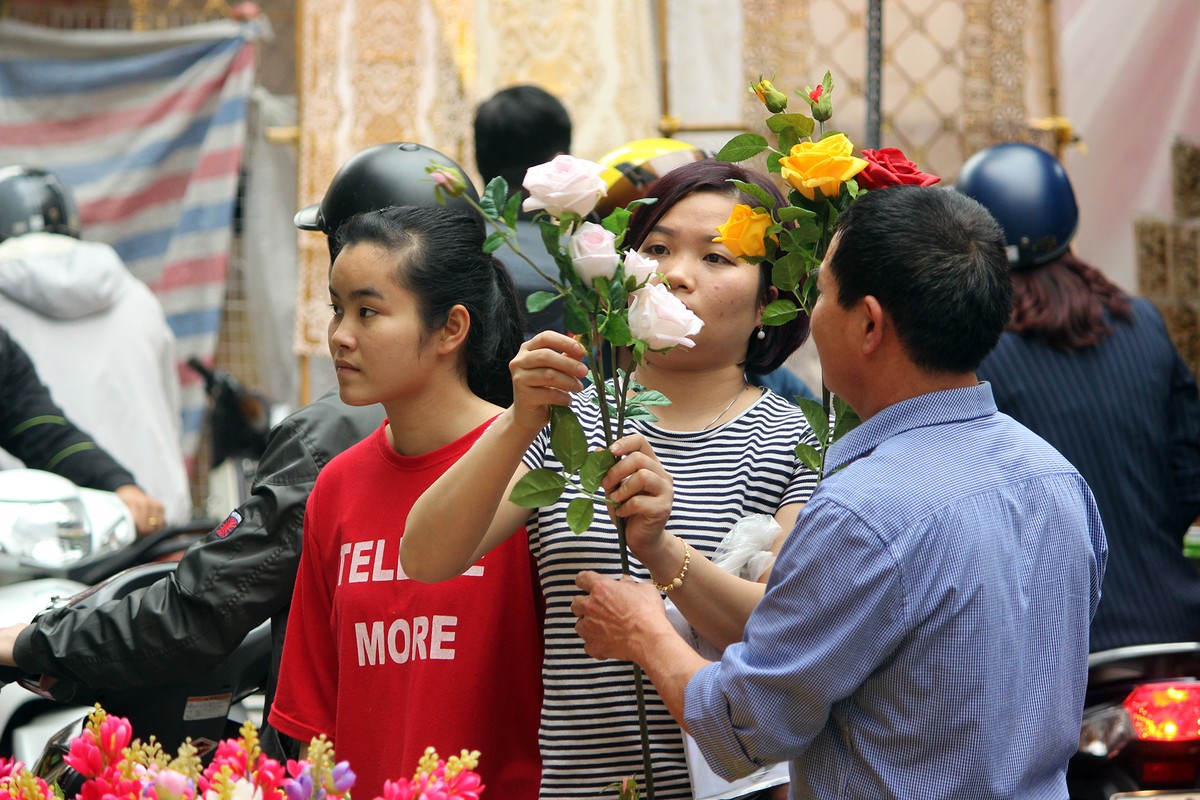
1140 734
60 544
238 422
204 710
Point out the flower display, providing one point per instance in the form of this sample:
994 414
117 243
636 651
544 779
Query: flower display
115 766
824 177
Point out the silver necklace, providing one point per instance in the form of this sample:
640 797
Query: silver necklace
741 389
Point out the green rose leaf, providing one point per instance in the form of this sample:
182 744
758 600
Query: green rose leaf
493 242
574 317
756 191
539 300
845 419
804 233
773 162
788 271
495 197
779 312
580 513
793 213
616 329
809 457
567 438
800 122
538 487
818 418
595 466
616 222
640 412
742 147
650 397
512 210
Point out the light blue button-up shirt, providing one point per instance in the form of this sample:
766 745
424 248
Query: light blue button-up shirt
925 630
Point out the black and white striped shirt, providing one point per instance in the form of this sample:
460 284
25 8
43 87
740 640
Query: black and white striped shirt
589 731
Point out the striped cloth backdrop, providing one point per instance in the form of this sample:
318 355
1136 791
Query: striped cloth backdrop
148 129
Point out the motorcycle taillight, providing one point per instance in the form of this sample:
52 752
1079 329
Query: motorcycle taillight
1165 712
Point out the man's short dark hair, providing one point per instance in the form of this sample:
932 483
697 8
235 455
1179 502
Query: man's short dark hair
935 261
517 128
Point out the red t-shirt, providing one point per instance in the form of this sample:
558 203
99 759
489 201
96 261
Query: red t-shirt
386 666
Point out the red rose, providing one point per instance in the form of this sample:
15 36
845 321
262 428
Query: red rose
889 167
816 93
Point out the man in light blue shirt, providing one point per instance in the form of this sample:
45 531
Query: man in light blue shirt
925 629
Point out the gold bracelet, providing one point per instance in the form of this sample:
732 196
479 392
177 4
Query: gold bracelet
678 579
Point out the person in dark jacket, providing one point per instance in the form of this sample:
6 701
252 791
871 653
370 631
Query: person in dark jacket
1093 371
35 430
241 573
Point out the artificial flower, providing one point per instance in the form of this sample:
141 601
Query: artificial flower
640 268
821 166
775 100
889 167
660 319
564 185
593 252
744 234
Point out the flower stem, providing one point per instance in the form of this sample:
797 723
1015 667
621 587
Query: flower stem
610 436
511 239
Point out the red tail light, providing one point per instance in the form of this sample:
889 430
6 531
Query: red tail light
1165 712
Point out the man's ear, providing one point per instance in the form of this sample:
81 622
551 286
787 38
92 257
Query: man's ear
453 334
873 320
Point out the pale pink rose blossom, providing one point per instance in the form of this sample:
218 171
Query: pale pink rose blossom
564 184
660 319
593 251
639 267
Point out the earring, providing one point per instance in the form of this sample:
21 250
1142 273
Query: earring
761 333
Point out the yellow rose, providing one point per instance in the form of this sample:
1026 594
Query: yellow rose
743 233
823 165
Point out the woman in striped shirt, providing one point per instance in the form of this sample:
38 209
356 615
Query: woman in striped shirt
723 450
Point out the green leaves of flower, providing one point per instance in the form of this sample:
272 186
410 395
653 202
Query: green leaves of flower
742 147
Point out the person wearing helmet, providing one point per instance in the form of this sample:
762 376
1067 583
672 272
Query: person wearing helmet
242 572
1093 371
100 341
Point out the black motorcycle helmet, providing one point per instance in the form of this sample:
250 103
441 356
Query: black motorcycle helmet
1029 194
384 175
33 200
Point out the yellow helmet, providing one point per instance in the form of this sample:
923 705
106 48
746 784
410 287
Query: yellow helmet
632 167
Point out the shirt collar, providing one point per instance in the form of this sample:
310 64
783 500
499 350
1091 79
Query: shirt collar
934 408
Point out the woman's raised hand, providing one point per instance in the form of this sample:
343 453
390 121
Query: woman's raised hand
545 371
645 492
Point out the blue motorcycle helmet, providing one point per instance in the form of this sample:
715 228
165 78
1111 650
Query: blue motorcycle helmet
1027 190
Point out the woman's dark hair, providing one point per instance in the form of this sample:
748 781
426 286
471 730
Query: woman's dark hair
1065 301
780 341
440 259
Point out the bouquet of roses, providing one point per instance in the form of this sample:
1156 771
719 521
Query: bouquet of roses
115 766
823 178
608 302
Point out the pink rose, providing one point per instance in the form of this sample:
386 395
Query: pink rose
889 167
639 267
564 185
593 251
660 319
